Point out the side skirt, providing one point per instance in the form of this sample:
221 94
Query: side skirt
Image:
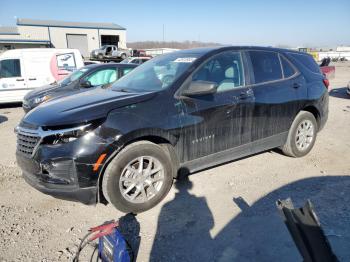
235 153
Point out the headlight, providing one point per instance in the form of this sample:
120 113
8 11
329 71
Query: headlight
73 134
41 99
66 135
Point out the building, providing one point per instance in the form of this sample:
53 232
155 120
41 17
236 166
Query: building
60 34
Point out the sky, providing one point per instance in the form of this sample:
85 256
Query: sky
307 23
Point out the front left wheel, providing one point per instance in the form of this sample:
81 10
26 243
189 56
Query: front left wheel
138 178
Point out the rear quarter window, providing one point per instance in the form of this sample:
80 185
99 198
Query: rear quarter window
308 61
288 70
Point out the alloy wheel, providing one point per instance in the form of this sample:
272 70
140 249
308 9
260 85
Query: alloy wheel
141 179
304 135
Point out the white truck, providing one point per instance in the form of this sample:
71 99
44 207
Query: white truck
22 70
110 52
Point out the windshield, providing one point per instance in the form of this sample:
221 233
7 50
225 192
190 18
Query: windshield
72 77
157 74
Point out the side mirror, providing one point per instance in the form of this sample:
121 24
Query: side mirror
85 84
198 88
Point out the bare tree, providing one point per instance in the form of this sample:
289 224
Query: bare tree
172 44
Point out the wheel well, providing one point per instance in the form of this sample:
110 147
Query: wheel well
313 110
154 139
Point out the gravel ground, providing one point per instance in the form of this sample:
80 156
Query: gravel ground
222 214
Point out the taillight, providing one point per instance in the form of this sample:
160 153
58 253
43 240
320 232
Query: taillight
326 82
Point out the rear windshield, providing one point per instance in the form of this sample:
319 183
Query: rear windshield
307 61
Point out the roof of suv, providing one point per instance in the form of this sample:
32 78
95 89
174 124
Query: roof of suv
110 65
204 50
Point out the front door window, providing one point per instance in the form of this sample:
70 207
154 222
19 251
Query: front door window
102 77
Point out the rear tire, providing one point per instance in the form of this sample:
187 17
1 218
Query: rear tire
100 56
123 56
302 135
130 186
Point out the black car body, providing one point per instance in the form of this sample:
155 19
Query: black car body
78 81
217 104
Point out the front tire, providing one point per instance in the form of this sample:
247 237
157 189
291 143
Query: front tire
123 56
138 178
302 135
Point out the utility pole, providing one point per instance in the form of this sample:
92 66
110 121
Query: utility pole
163 33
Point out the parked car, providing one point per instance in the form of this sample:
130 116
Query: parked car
138 52
110 51
124 145
348 89
22 70
88 77
326 69
136 60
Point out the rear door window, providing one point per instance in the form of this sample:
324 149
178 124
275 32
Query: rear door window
266 66
308 61
10 68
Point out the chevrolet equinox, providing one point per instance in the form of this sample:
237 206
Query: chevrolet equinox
180 112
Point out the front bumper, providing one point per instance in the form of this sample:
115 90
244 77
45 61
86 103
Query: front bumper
64 170
58 179
93 55
26 105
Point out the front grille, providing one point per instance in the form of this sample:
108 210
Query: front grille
27 142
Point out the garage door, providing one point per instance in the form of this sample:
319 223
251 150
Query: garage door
79 42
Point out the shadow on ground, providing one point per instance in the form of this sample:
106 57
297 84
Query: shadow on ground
10 105
3 119
339 93
258 232
130 228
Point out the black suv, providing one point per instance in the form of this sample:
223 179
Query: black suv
179 112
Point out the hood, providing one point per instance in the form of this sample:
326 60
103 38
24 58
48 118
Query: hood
82 107
46 90
39 91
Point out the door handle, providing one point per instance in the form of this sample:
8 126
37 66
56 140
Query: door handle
296 85
31 79
19 79
245 94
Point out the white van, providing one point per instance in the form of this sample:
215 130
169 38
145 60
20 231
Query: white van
22 70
